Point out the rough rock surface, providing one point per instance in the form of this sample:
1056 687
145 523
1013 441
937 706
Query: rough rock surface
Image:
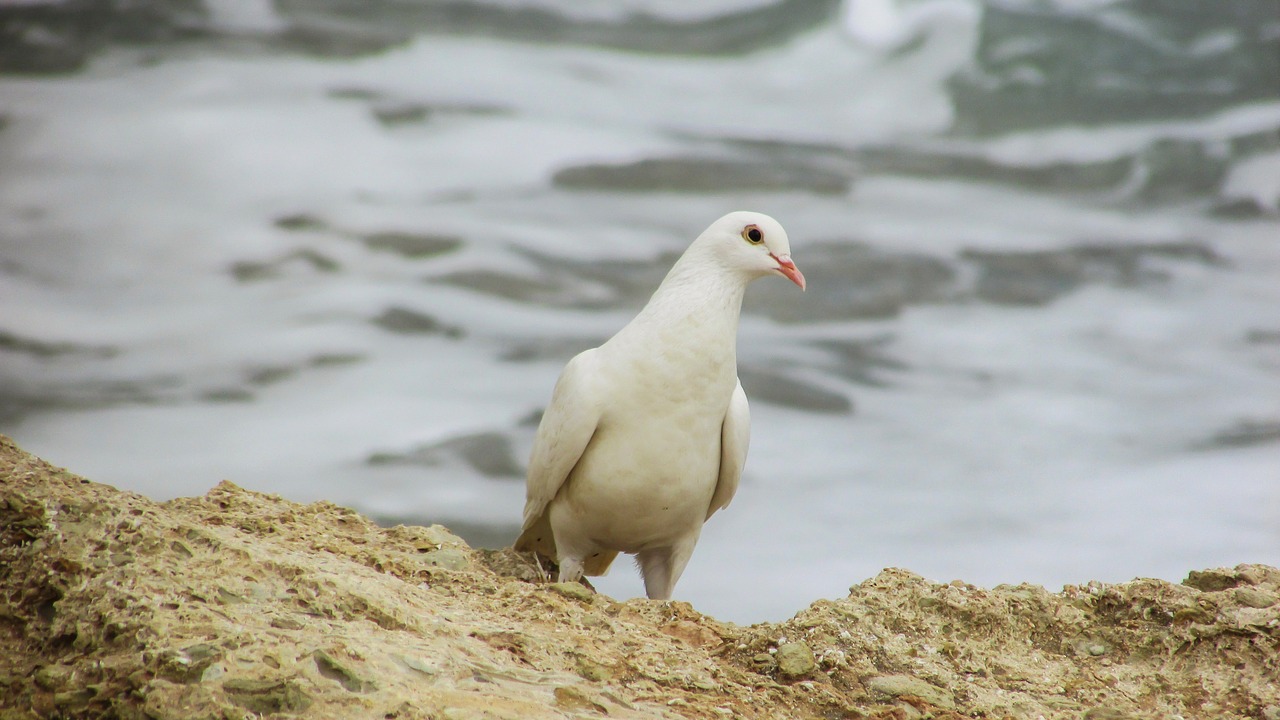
239 604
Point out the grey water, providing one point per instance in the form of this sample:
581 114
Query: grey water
338 250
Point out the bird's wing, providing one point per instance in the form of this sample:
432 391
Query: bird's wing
735 435
564 433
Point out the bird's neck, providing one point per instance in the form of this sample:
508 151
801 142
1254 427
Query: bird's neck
687 292
695 309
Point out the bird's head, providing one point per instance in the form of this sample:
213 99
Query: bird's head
753 243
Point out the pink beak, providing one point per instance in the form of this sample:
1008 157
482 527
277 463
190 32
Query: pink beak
788 268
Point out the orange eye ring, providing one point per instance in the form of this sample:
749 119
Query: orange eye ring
753 234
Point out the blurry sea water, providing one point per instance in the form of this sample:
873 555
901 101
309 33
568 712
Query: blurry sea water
341 250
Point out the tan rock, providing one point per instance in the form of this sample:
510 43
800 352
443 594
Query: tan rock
795 660
238 602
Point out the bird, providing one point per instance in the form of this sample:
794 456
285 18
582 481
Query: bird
645 436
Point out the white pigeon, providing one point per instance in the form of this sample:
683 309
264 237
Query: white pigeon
646 435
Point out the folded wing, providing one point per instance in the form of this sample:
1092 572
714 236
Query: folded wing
566 430
735 435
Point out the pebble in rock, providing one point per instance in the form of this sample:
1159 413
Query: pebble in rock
795 660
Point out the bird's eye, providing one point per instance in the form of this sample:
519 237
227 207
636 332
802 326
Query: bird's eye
753 234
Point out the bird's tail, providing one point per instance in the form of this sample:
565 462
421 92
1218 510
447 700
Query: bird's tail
599 563
537 538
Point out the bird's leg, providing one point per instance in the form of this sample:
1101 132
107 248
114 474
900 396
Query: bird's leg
662 567
570 569
655 568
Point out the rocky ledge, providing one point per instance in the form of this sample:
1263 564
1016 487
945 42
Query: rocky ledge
239 604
